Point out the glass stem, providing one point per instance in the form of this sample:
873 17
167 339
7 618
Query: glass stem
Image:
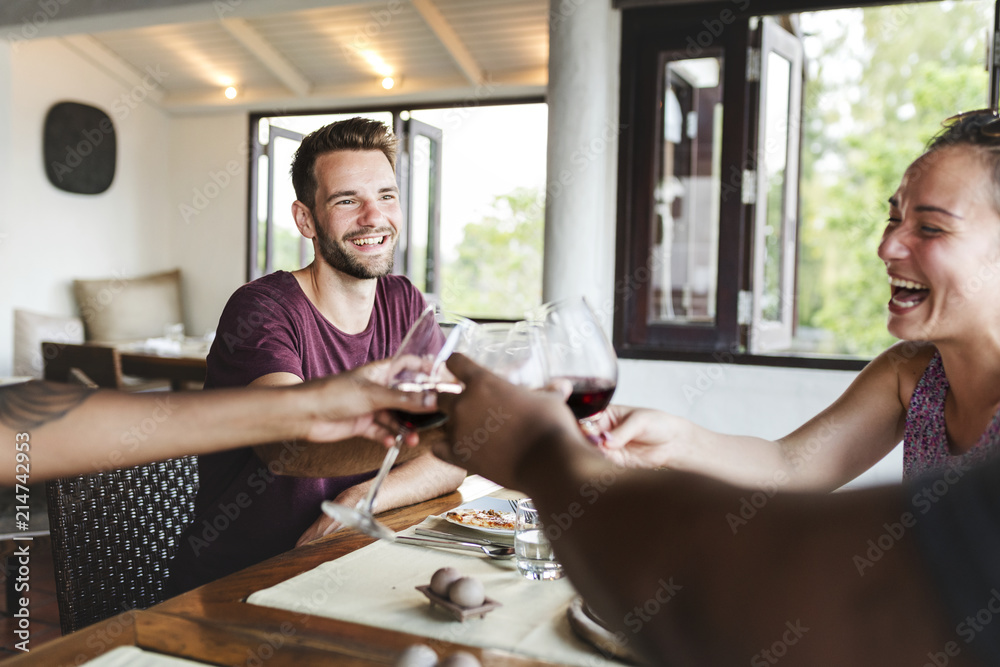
368 502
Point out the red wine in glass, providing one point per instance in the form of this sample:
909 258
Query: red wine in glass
590 395
412 421
419 421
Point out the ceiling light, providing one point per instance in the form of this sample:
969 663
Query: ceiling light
231 92
388 83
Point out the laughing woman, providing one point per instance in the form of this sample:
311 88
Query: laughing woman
938 390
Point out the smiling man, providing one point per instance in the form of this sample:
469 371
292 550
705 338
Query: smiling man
343 310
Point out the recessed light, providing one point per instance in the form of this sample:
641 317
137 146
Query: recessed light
231 92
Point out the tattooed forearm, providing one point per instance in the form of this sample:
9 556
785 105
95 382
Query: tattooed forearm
29 405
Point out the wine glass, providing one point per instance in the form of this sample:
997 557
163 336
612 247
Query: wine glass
417 366
578 351
513 350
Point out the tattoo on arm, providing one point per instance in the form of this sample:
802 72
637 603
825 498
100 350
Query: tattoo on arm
32 404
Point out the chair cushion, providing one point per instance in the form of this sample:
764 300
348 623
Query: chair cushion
30 329
116 309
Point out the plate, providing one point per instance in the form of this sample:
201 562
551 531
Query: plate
483 504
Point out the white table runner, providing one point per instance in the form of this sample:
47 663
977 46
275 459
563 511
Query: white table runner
375 586
133 656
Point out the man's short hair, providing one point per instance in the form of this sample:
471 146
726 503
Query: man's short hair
354 134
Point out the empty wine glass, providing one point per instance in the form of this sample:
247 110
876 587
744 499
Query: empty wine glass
513 350
417 366
579 352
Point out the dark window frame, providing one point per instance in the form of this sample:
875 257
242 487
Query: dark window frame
647 31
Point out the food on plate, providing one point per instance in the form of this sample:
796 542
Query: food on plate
492 519
467 592
443 579
417 655
460 659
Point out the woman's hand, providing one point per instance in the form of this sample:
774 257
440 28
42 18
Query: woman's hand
639 437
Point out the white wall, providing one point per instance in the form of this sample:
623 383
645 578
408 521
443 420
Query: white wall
768 402
49 236
207 212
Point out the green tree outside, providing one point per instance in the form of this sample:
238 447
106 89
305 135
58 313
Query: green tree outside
498 271
870 106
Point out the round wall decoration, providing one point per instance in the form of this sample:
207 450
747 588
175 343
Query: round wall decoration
79 148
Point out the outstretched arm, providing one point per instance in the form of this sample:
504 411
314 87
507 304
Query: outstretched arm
830 449
72 430
660 558
339 456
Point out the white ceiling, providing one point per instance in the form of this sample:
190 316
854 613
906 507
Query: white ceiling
301 53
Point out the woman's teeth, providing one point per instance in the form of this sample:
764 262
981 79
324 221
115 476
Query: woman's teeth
906 284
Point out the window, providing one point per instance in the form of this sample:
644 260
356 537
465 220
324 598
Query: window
472 186
759 152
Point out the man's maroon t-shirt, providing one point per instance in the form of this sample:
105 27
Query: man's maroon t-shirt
245 512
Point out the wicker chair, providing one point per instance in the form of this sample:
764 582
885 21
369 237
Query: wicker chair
113 535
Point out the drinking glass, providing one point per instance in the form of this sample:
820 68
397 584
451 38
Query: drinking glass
417 366
533 551
513 350
578 351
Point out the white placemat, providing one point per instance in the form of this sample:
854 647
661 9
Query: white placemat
375 586
133 656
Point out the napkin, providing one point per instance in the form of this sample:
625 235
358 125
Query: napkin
376 586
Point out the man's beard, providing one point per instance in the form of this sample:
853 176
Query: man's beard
338 258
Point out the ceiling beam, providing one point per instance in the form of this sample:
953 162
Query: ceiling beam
29 19
110 62
522 83
261 49
450 39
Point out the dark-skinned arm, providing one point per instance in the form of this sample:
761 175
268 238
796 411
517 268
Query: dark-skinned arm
669 562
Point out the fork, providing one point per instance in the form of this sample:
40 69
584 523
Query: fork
498 553
513 505
451 537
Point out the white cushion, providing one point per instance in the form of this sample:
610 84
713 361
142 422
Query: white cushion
30 329
116 309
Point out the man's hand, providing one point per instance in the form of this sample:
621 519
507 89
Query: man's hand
355 403
492 425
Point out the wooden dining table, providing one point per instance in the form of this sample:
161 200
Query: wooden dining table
213 624
184 368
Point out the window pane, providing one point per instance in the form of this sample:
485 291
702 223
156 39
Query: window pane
286 235
418 220
492 207
686 229
878 83
774 160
